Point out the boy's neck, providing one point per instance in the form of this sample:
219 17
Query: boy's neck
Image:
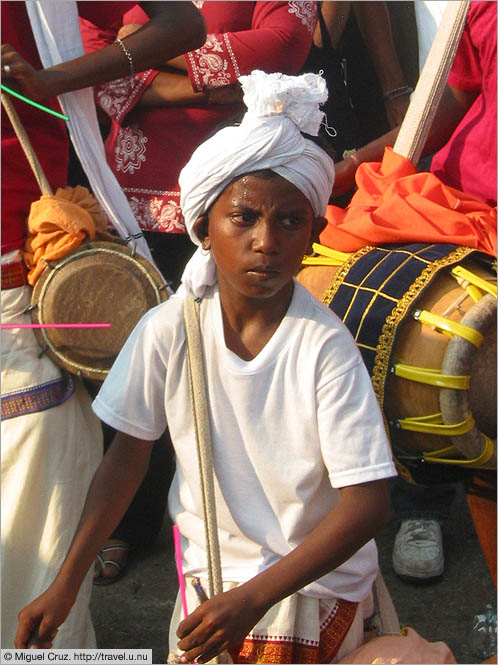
249 324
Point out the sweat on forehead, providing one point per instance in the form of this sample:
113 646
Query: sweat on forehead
265 174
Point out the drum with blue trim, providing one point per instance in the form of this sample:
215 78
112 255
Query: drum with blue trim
424 318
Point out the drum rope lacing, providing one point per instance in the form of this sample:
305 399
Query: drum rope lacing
325 256
466 279
477 463
448 327
434 424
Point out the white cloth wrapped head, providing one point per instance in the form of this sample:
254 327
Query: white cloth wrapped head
279 108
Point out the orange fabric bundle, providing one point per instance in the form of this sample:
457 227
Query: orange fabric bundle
395 204
58 224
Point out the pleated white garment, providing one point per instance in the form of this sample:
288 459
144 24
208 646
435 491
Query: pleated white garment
48 460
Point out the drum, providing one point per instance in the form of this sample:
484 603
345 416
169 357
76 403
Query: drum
432 354
101 282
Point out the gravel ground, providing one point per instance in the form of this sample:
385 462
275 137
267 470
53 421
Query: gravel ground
135 612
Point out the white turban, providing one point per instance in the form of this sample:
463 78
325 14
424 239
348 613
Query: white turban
279 108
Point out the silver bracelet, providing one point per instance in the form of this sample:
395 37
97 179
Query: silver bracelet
397 92
127 53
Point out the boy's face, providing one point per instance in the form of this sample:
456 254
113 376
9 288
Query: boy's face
258 231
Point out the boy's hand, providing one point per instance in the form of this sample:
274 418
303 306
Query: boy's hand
217 625
40 620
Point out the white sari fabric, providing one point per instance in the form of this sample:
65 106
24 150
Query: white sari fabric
51 446
279 108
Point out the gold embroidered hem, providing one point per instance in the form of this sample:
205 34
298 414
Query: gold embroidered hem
298 629
294 650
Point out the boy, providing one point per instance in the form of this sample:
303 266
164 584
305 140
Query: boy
300 453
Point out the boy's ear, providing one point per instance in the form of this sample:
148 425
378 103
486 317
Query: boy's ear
201 230
319 223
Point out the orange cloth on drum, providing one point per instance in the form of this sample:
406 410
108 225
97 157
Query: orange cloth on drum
58 224
395 204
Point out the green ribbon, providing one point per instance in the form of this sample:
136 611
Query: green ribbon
33 103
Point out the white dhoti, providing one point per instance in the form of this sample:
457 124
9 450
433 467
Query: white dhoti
49 456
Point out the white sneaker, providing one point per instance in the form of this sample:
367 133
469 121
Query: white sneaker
418 550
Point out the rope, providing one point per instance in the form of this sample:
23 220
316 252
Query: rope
431 83
204 446
26 145
204 450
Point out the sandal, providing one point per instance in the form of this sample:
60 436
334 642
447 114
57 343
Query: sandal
101 580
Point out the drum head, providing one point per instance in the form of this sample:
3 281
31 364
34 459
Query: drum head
102 282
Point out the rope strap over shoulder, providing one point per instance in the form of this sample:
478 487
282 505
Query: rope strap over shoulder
203 437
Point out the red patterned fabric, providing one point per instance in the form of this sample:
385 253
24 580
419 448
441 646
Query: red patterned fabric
14 275
273 649
46 133
147 147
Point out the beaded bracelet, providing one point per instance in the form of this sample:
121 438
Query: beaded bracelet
397 92
127 53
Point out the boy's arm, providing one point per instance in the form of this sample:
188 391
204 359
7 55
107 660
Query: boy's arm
375 26
226 619
113 486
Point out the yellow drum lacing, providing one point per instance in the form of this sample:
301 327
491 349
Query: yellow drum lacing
326 257
449 327
478 462
431 377
434 424
468 280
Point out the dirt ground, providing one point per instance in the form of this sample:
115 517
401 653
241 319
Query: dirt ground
135 612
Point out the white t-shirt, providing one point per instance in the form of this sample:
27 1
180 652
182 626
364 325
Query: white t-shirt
288 428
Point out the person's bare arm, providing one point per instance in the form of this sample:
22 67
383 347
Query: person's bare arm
172 86
345 170
178 63
113 487
453 106
375 27
225 620
174 28
335 15
175 89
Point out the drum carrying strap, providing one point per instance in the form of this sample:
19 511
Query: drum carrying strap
204 448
